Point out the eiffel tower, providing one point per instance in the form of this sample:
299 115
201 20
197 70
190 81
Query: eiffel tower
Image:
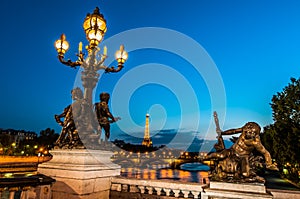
147 140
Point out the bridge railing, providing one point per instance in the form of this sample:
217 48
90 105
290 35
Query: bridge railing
33 187
157 187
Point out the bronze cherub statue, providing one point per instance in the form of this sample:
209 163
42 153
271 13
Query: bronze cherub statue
239 162
78 118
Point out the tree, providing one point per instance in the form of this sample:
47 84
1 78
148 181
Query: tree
282 138
5 140
47 138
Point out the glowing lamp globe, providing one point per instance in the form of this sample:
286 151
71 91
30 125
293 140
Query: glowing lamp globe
61 45
94 26
121 55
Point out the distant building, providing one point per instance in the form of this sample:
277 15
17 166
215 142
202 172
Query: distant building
147 140
18 135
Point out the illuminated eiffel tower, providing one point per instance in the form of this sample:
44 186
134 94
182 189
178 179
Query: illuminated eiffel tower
147 140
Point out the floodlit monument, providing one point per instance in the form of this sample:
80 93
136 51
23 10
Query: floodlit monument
147 139
80 165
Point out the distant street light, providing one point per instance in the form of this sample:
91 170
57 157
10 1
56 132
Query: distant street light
94 26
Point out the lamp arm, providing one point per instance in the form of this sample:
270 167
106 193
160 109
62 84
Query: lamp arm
69 62
113 69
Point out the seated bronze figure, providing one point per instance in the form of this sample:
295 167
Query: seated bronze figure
240 162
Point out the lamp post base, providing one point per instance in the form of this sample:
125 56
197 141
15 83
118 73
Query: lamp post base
84 173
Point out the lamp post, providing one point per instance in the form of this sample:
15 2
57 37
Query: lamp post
76 123
94 26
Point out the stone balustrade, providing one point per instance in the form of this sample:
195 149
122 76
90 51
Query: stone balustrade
28 192
32 187
157 187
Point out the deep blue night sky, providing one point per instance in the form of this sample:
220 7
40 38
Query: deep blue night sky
254 45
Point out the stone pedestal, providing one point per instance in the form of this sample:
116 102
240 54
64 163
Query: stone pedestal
222 190
80 174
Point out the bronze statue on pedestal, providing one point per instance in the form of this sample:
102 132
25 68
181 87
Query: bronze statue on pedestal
239 162
78 117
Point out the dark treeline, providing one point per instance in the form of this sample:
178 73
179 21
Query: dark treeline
282 138
21 142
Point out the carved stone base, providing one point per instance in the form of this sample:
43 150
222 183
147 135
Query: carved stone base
84 174
221 190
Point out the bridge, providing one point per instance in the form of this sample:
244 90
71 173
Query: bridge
178 162
163 159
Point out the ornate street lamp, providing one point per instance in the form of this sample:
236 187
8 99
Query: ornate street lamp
83 124
94 26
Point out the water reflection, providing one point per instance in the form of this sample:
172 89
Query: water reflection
191 172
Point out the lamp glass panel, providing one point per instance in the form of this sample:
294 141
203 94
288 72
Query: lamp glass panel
86 23
118 54
121 55
65 45
93 34
94 21
99 21
124 55
59 44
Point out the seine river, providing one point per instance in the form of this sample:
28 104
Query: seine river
190 172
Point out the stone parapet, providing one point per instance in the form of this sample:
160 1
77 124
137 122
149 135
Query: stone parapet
155 188
221 190
80 174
